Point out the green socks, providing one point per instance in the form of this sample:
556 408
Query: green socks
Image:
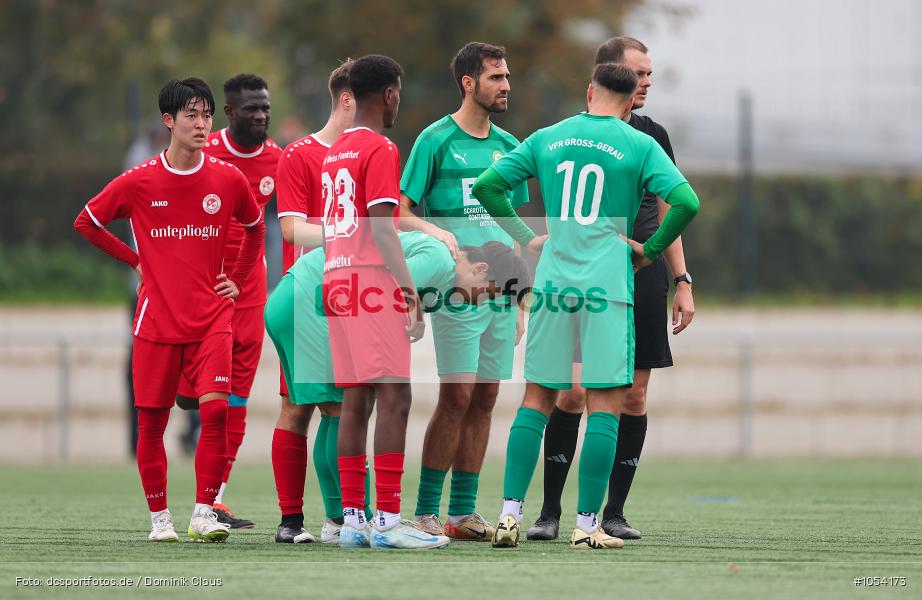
522 453
596 460
327 467
463 493
429 498
329 431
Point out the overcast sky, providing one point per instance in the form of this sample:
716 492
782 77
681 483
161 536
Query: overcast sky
837 84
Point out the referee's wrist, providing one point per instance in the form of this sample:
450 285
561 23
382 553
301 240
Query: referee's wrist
684 278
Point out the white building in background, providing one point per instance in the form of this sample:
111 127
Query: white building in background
836 84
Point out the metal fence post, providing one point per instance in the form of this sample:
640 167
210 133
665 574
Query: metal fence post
745 395
63 400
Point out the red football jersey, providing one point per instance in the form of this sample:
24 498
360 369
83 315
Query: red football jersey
180 221
361 169
259 166
298 188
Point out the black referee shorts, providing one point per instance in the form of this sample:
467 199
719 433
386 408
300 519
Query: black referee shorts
651 322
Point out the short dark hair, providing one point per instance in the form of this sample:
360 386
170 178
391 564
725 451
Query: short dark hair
244 81
469 60
176 95
615 78
612 51
373 73
507 270
339 78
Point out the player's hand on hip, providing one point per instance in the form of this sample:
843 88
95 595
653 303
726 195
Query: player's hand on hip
536 245
638 258
447 238
226 288
137 289
683 308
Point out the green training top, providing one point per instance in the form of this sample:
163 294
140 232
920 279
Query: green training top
442 168
592 171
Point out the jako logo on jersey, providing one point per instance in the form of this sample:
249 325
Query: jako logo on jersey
157 203
221 379
157 495
203 233
266 185
211 203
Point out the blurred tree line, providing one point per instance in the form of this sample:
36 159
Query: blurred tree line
79 82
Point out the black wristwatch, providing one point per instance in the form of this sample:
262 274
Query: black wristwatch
683 277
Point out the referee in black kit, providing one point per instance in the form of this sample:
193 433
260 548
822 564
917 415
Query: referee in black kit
651 286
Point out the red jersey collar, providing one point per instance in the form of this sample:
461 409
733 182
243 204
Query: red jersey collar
191 171
238 151
319 141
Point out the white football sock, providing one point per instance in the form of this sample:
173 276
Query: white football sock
512 507
220 496
354 517
455 519
200 509
588 522
386 520
154 515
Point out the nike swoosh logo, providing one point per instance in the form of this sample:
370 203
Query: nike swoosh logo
477 532
423 539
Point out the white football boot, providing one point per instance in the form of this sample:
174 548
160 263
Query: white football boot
205 527
162 529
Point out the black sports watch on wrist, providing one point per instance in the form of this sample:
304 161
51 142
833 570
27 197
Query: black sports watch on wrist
683 277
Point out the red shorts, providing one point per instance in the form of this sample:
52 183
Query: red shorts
367 318
249 333
283 386
157 368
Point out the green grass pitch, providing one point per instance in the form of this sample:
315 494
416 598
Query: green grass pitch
762 529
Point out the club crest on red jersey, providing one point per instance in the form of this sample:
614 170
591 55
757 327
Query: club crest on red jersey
266 185
211 204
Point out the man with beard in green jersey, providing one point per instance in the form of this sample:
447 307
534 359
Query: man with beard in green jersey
474 346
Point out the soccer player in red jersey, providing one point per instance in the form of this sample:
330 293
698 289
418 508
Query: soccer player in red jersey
180 206
245 144
367 289
300 210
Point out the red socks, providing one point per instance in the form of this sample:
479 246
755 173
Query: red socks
289 463
211 456
388 471
352 481
151 455
236 428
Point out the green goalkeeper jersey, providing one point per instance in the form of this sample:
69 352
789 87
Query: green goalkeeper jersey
592 171
442 168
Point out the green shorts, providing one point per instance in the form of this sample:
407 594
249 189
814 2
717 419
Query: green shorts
476 339
299 332
602 330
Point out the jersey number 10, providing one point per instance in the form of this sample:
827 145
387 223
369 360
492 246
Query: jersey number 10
567 168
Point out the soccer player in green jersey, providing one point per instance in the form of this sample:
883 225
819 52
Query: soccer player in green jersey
475 346
297 325
592 169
